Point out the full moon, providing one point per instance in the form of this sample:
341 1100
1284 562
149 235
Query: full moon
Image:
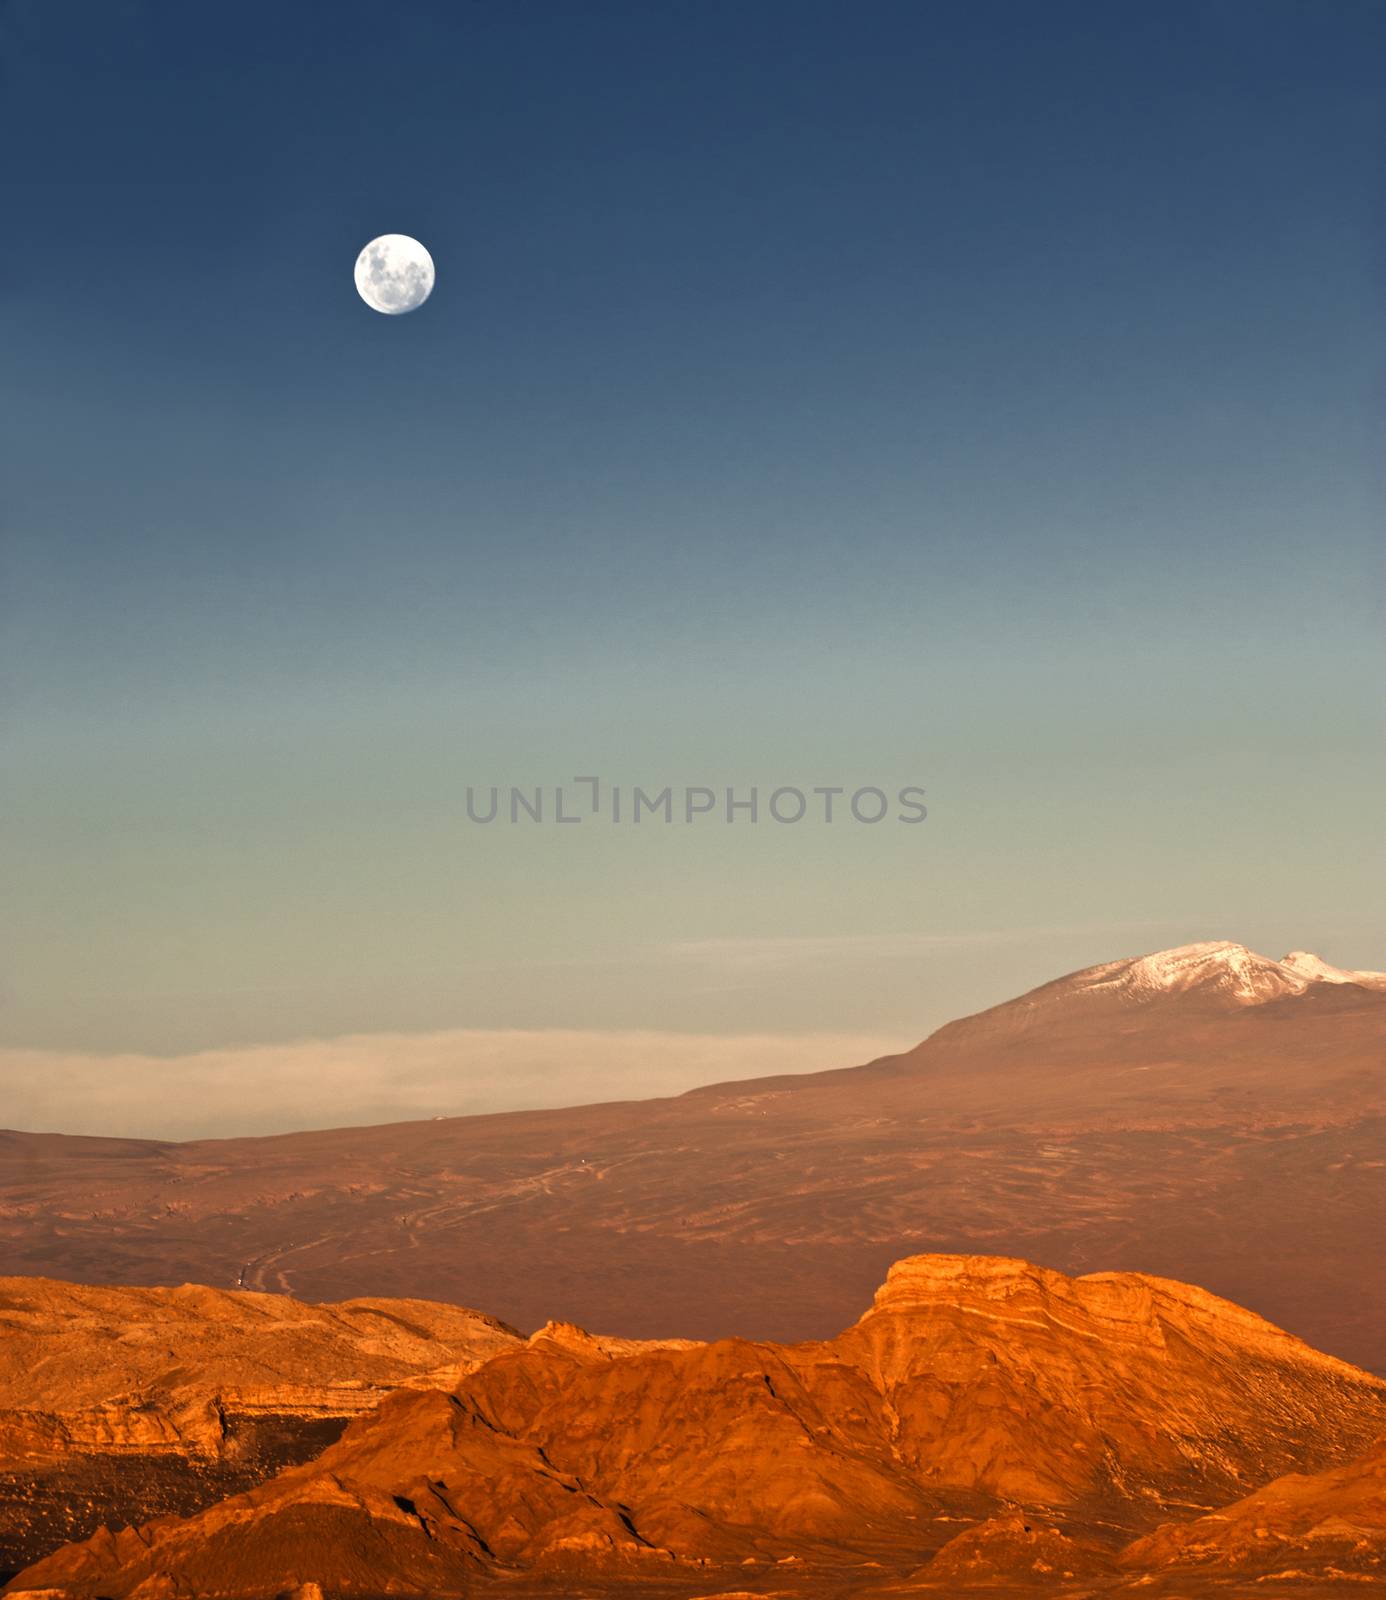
394 274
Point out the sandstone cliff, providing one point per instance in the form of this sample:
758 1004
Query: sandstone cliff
117 1403
974 1387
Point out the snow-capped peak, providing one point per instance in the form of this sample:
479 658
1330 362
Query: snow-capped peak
1219 969
1317 970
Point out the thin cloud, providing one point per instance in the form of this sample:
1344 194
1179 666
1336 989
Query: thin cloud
369 1078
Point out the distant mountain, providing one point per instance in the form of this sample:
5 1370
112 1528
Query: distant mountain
1217 973
1150 1114
1172 994
975 1395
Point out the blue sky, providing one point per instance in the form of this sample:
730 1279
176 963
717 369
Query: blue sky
984 396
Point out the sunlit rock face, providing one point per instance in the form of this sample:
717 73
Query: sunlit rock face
117 1404
973 1389
1328 1525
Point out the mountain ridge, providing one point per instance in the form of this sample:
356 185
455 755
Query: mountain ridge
1104 1403
1113 1132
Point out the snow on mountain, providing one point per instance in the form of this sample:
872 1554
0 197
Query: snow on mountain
1316 968
1219 970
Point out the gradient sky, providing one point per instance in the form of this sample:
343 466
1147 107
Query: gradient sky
983 396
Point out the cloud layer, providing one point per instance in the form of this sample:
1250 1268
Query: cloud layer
381 1077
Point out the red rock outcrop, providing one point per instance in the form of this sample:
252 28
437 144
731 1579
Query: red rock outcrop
161 1369
972 1384
1327 1527
116 1403
1012 1552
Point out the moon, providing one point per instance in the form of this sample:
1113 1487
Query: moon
394 274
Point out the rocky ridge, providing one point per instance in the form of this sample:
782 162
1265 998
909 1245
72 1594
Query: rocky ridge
975 1391
1327 1525
117 1402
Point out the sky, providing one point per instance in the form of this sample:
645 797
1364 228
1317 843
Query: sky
984 397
